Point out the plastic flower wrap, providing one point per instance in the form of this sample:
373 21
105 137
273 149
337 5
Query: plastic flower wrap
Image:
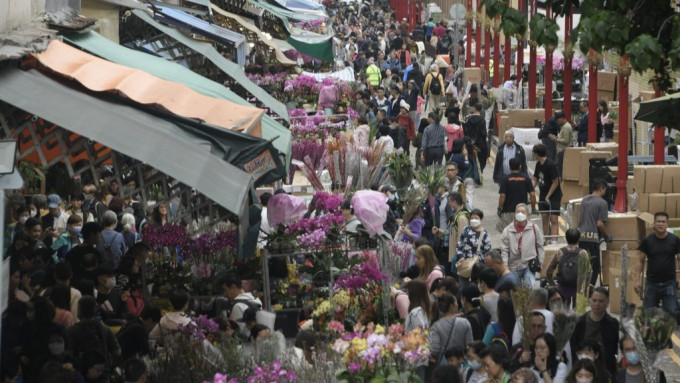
564 324
370 207
651 332
286 209
361 135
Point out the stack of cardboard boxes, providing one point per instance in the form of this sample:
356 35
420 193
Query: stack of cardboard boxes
522 121
606 85
658 188
576 169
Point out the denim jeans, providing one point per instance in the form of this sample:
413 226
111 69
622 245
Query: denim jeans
525 276
664 292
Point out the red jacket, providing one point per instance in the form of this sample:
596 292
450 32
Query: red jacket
407 122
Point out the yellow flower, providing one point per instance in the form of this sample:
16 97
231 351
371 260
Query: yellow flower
323 308
359 343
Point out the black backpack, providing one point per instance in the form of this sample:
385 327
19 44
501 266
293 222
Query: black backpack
500 337
567 269
435 85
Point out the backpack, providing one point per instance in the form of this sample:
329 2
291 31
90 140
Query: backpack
261 316
435 85
567 269
500 337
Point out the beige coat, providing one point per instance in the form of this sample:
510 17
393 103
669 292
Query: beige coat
454 236
532 246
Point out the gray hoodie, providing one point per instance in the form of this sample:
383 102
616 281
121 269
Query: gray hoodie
460 335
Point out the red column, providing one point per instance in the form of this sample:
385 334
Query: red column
487 53
567 66
508 54
592 96
478 45
548 76
622 175
520 50
659 139
496 59
532 65
468 45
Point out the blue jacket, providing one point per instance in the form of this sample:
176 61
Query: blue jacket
582 128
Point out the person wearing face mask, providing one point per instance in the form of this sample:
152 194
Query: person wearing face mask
514 190
66 241
109 301
592 349
15 228
476 370
52 220
77 200
584 371
57 353
522 243
632 371
474 242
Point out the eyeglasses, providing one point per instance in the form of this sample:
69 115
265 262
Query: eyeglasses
451 170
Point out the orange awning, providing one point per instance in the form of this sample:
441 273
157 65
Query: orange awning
103 76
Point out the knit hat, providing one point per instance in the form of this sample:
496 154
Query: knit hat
405 105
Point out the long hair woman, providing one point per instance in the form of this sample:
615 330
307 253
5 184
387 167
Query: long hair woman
545 360
419 306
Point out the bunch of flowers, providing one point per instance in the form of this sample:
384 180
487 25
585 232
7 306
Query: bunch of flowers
326 202
199 327
326 223
301 88
267 79
166 236
360 276
221 378
272 374
371 354
312 240
577 63
313 149
656 328
313 25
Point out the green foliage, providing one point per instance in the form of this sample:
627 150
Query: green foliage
431 177
514 22
544 31
561 7
400 170
603 30
645 52
494 7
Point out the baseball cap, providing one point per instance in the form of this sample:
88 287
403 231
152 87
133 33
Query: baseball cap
53 201
248 316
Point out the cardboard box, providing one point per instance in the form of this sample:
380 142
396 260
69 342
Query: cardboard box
615 289
643 202
671 176
572 156
648 178
576 214
611 147
657 202
646 95
525 117
572 190
502 126
473 75
527 138
606 81
623 226
672 202
612 258
606 95
550 251
586 155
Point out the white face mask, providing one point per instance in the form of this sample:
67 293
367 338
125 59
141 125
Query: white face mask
520 217
110 283
475 222
584 356
23 219
33 213
584 380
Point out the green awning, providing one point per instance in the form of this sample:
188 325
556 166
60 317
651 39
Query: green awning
317 46
167 70
283 13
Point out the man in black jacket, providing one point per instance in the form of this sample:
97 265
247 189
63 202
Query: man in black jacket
475 128
599 325
502 166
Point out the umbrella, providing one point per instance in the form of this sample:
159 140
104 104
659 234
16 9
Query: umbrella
662 111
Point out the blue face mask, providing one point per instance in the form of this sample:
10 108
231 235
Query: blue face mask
633 358
392 197
475 364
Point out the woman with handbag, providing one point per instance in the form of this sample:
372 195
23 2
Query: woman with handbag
449 331
474 242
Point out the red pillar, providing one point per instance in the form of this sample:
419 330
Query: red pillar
508 54
659 139
622 175
520 49
478 46
496 59
592 96
532 65
548 76
567 65
468 45
487 53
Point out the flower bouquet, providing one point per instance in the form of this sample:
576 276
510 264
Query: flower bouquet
651 331
521 300
400 170
564 324
372 355
583 283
